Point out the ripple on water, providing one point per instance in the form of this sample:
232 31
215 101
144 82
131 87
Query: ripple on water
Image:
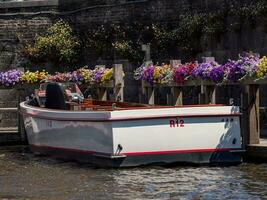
25 176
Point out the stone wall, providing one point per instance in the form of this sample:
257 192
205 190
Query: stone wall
83 14
20 22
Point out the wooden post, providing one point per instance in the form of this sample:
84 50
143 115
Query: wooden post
142 93
150 93
211 91
102 93
250 121
174 63
201 95
146 49
208 92
118 82
254 114
208 59
143 98
176 91
177 94
169 99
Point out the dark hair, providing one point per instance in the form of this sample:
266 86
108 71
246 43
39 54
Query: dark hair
55 97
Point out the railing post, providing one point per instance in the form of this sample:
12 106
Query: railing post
142 93
176 91
250 121
150 91
101 90
102 93
201 95
174 63
118 82
177 95
146 49
208 92
145 92
145 96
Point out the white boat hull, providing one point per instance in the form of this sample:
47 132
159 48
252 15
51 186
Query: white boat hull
200 135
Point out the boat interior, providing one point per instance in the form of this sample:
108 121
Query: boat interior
61 97
89 104
56 96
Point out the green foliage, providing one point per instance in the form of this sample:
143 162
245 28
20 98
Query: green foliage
112 41
58 45
183 38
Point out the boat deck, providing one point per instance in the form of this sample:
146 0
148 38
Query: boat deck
96 105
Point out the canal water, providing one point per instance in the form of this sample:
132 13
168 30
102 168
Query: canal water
25 176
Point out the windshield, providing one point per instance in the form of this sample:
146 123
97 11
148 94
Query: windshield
70 89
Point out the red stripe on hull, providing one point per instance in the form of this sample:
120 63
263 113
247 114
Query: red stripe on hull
139 153
180 151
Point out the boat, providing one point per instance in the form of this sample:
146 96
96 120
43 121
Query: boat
120 134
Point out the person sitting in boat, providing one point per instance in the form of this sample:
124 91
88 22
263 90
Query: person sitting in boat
55 95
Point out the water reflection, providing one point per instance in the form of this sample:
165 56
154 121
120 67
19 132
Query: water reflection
24 176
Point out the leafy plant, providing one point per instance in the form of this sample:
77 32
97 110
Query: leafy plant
59 45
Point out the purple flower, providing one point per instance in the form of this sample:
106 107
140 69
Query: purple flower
10 77
148 74
244 66
202 71
217 74
76 77
235 70
97 74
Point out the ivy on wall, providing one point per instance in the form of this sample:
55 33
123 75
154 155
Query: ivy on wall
181 38
166 39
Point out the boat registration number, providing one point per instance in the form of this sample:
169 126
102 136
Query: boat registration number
177 123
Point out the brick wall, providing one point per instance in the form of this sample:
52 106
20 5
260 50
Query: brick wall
83 14
20 22
19 25
15 32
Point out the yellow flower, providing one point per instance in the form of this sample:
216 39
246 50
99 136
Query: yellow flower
33 77
86 74
107 75
262 67
157 73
